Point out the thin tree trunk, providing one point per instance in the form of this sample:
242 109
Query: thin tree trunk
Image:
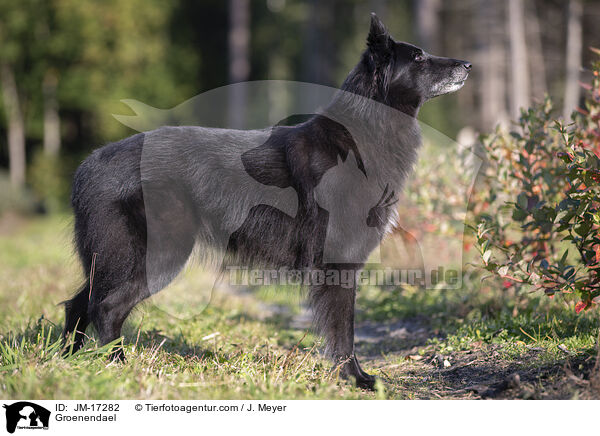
16 126
427 16
51 117
536 54
239 62
319 55
492 53
573 58
518 57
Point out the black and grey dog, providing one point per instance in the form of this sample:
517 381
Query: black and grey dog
143 204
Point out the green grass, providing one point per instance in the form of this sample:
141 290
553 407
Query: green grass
183 344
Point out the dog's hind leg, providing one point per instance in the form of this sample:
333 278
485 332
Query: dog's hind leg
109 310
76 318
333 309
127 271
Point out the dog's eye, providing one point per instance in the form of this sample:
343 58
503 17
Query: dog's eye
419 57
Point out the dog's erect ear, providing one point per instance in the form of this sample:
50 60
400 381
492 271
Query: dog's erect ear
379 39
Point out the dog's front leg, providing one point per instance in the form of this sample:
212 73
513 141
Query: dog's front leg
333 310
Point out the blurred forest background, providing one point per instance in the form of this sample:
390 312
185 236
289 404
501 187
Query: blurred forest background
66 64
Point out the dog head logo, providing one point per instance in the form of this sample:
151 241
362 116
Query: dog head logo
26 415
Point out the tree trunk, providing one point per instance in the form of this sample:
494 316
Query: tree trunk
518 57
16 126
239 62
319 54
492 53
427 17
573 57
536 55
51 118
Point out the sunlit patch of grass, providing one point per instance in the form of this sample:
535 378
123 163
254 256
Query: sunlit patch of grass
240 362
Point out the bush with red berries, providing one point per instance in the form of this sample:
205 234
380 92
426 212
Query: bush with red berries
537 214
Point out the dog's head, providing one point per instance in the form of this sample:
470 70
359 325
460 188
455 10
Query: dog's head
408 75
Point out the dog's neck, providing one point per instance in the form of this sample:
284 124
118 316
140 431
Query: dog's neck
387 139
384 131
369 84
409 105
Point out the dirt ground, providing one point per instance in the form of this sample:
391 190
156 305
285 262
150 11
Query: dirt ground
479 373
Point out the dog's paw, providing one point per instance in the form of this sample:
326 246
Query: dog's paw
366 381
351 370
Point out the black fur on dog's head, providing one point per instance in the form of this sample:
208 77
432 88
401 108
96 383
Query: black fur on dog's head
402 75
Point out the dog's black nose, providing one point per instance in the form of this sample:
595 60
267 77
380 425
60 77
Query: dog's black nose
467 66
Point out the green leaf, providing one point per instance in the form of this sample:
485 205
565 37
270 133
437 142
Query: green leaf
564 215
486 256
562 260
569 272
583 228
522 200
519 214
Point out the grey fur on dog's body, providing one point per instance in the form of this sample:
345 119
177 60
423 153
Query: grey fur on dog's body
262 198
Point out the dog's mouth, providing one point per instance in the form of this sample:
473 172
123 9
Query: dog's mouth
450 86
456 85
459 83
462 80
